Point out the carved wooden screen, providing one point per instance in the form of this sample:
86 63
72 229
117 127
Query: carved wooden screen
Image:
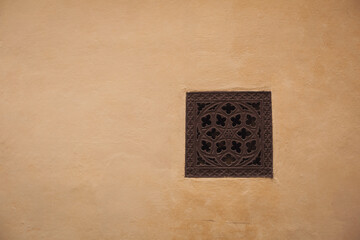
228 134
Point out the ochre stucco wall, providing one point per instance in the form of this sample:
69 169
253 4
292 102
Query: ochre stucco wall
92 118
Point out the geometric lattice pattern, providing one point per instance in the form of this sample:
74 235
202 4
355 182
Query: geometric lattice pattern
228 134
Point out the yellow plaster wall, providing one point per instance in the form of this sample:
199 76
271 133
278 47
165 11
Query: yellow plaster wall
92 118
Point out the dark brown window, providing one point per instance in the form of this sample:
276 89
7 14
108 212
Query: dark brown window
228 134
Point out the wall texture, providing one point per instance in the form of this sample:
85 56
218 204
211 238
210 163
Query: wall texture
92 118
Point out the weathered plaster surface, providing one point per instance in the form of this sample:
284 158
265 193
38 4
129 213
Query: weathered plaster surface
92 118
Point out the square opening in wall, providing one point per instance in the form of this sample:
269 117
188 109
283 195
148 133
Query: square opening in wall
228 134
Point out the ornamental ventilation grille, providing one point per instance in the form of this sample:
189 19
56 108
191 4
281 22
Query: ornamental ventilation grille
228 134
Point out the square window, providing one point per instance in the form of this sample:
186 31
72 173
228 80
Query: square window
228 134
